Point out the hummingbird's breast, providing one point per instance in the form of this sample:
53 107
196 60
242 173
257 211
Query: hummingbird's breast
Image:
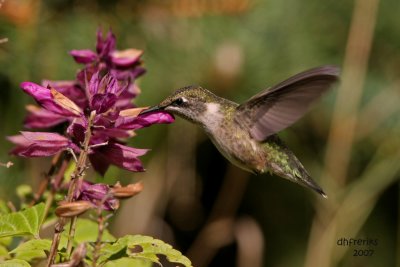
233 141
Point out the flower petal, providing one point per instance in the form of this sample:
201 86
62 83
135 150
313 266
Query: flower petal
40 144
130 73
77 131
94 191
122 156
94 84
125 98
65 102
99 163
44 97
46 137
83 56
97 193
105 46
132 112
126 58
18 140
70 89
103 102
41 118
145 120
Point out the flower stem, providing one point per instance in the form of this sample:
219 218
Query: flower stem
101 225
76 178
71 234
101 221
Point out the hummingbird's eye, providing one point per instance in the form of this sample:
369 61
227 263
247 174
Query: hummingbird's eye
179 101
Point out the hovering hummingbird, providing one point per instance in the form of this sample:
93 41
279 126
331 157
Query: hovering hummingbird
246 134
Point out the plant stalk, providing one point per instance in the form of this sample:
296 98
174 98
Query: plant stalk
101 222
76 178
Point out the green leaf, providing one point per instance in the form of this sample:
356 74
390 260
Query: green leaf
128 262
142 247
112 251
32 249
26 222
3 252
6 241
15 263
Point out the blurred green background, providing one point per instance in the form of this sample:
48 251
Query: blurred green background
214 213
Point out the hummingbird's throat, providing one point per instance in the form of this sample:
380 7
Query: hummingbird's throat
212 116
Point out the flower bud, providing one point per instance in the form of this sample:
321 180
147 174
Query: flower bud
130 190
71 209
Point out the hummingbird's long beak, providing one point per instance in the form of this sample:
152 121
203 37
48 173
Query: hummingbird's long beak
151 109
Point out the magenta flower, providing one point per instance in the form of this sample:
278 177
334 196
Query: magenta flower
105 195
110 123
52 114
98 194
106 87
124 66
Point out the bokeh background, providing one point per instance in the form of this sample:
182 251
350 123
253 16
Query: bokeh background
213 212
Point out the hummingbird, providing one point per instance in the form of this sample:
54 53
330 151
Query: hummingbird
246 134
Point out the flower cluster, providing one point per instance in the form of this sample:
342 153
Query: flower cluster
105 87
98 101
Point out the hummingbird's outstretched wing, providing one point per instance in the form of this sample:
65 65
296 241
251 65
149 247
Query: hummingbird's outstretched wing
278 107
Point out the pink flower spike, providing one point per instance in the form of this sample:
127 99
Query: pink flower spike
83 56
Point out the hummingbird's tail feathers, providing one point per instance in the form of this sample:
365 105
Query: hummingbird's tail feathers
284 163
305 180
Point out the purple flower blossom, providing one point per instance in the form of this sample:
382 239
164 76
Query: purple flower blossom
124 66
109 95
110 123
98 194
105 195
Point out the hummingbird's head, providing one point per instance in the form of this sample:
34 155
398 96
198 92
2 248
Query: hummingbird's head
188 102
